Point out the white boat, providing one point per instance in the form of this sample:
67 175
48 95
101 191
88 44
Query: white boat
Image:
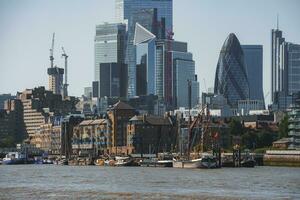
164 163
124 161
189 164
14 158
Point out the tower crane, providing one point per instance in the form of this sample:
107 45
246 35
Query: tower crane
51 51
65 87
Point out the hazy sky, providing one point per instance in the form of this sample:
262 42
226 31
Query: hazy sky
27 27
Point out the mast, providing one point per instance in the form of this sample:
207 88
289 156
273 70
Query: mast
189 123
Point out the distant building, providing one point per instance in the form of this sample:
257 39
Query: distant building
48 138
14 109
87 106
43 107
294 124
95 88
285 71
148 134
132 12
56 79
290 56
245 106
119 115
88 92
110 42
11 124
4 97
277 69
113 80
218 105
253 56
91 138
145 58
231 76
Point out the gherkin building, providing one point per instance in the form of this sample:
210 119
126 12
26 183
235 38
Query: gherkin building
231 76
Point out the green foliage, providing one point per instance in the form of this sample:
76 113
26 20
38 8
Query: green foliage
257 139
7 141
235 128
265 139
249 140
283 127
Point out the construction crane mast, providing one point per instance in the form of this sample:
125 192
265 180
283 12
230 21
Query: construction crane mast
51 51
65 86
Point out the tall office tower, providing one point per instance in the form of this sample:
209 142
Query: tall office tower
144 42
285 70
253 55
276 67
231 76
172 75
56 79
112 75
95 85
109 46
131 11
183 70
290 60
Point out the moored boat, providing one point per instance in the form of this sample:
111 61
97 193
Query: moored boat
99 162
13 158
124 161
190 164
208 162
248 163
164 163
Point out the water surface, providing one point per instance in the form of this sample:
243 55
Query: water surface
92 182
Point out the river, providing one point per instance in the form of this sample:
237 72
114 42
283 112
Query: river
93 182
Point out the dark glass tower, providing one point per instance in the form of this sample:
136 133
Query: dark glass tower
231 76
137 11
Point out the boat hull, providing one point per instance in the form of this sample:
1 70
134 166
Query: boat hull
13 162
248 163
188 164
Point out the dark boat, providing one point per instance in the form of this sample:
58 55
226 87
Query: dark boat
248 160
248 163
208 162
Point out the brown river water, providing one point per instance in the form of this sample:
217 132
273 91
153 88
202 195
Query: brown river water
93 182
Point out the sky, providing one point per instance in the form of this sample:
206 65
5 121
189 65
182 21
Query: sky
27 27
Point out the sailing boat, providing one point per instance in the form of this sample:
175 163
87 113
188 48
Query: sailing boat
190 163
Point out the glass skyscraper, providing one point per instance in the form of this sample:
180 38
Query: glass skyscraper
276 67
109 45
145 63
253 55
285 70
128 11
231 79
290 54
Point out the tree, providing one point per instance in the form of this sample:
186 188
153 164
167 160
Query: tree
249 140
265 139
235 127
283 127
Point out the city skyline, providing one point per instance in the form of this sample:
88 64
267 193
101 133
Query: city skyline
26 46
